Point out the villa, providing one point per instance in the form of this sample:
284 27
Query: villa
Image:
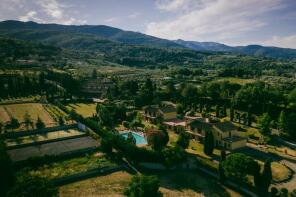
225 133
162 112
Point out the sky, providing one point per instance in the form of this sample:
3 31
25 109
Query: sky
232 22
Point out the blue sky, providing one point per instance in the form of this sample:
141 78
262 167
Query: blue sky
233 22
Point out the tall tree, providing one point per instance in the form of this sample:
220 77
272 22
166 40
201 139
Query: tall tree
266 175
157 139
282 122
39 124
221 170
264 124
183 140
209 143
27 120
7 177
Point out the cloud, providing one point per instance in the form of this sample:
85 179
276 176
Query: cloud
112 20
31 15
217 20
42 11
134 15
177 5
282 41
52 8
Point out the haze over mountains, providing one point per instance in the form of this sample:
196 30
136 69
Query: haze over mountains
89 36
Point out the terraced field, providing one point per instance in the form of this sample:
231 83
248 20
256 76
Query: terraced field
84 109
18 111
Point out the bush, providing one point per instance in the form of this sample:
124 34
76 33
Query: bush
28 186
143 186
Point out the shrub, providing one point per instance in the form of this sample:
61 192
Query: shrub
143 186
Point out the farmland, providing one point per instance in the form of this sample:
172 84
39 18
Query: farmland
171 184
86 110
18 111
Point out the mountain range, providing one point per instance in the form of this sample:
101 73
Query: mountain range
255 50
90 36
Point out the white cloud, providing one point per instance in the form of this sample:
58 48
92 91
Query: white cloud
216 20
52 8
112 20
177 5
30 16
134 15
282 41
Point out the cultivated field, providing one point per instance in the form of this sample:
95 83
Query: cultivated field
69 166
86 110
171 184
18 111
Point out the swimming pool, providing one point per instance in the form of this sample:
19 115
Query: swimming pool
140 140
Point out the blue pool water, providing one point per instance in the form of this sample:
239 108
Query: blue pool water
140 140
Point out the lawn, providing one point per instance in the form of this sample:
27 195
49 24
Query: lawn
180 183
197 148
109 185
173 137
171 184
84 109
69 167
18 111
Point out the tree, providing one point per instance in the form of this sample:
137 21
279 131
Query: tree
1 127
217 111
104 115
231 114
293 193
264 123
209 143
131 138
27 186
6 170
238 166
61 120
27 120
283 192
39 124
274 192
13 124
266 176
94 74
143 186
183 140
282 122
157 139
221 170
173 155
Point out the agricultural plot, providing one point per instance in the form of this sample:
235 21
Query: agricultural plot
43 137
171 184
18 111
53 148
86 110
69 166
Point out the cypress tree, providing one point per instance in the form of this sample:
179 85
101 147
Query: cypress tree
231 114
208 143
221 170
266 175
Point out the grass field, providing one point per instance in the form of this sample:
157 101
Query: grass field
69 167
18 111
171 184
237 80
86 110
